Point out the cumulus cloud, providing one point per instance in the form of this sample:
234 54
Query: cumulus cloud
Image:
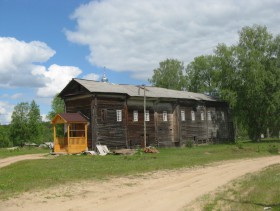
6 110
91 76
136 35
18 60
56 78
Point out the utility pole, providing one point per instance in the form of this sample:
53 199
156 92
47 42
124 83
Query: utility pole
145 130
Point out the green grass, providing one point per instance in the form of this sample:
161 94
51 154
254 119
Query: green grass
37 174
4 152
251 193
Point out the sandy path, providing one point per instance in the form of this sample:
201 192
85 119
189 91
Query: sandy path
163 190
10 160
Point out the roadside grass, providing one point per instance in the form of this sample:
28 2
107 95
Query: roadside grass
38 174
6 152
256 191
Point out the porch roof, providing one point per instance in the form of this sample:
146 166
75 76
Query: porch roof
69 118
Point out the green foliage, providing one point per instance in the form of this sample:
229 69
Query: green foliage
26 124
169 75
57 107
189 143
249 79
273 149
4 136
201 74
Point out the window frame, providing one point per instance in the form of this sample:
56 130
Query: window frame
147 116
164 116
183 115
193 115
119 115
135 116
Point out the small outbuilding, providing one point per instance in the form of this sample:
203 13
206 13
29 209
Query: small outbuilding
74 134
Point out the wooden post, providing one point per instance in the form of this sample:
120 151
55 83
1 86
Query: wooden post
145 117
68 136
54 136
86 126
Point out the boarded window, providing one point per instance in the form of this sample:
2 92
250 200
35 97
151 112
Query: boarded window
209 116
147 116
183 116
202 115
119 115
135 116
164 116
193 115
103 115
223 115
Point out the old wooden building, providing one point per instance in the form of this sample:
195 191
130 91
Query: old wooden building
116 115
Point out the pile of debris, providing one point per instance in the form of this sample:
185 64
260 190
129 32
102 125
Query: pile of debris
150 150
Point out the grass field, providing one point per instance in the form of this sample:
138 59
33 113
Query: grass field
258 191
37 174
4 152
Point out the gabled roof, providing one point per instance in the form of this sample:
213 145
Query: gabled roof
69 118
136 91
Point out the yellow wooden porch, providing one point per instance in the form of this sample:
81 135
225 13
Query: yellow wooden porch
74 139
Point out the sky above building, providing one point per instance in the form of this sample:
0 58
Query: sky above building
46 43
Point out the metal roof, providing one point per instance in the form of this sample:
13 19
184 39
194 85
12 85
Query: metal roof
133 91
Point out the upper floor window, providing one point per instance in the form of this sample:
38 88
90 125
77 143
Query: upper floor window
147 116
193 115
183 116
135 116
164 116
209 117
119 115
202 115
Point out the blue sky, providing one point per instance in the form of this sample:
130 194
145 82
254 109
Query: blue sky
45 43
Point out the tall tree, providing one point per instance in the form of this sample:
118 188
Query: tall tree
169 75
249 78
56 108
35 123
4 136
201 74
19 132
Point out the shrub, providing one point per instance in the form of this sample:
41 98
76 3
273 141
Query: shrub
189 143
273 149
239 144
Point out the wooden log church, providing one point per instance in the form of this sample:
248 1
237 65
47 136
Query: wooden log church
115 115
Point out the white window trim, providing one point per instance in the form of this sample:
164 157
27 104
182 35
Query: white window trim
135 116
147 116
193 115
202 116
183 116
164 116
119 115
209 117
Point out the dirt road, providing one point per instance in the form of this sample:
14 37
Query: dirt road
163 190
10 160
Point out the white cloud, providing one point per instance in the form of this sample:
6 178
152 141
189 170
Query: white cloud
18 59
91 76
56 77
136 35
6 110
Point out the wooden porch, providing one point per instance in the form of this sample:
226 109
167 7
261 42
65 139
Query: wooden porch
74 137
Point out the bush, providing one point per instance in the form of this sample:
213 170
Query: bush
189 143
239 144
273 149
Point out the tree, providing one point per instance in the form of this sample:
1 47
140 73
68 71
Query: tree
57 107
249 79
34 123
201 74
169 75
4 136
19 132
